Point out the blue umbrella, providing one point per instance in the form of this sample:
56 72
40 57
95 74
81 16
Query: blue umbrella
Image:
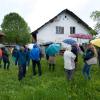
53 49
70 41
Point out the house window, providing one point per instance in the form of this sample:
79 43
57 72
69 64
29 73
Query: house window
72 30
59 30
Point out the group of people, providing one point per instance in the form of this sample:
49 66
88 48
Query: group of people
21 59
71 58
23 55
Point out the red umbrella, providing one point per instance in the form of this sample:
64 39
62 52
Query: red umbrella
81 36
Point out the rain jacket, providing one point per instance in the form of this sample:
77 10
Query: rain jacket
75 51
21 57
35 53
69 58
15 53
88 54
5 55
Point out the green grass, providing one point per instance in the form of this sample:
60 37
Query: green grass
51 85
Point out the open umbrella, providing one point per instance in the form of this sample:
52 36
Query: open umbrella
96 42
53 49
81 36
70 41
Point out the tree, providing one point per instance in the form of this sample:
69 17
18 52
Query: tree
93 32
96 17
16 29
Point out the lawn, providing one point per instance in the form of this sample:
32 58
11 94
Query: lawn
51 85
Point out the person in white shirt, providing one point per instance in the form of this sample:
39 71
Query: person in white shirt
69 64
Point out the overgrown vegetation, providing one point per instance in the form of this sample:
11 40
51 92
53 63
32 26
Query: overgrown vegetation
51 85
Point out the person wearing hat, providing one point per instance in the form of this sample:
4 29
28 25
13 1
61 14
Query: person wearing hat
69 63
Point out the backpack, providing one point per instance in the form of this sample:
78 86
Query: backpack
88 54
35 54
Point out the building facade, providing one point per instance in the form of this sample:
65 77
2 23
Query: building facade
60 27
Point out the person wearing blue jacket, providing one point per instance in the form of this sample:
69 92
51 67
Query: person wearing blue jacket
88 55
21 58
14 55
27 50
35 55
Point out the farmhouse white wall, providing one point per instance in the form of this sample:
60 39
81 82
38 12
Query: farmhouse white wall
48 32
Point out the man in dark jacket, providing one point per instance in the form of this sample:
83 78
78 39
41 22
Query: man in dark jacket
14 55
0 56
75 51
98 51
5 57
21 58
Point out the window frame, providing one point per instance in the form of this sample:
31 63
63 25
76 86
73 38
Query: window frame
72 29
59 30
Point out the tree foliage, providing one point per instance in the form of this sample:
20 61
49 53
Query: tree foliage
16 29
96 17
93 32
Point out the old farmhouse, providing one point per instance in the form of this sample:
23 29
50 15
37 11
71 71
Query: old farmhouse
58 28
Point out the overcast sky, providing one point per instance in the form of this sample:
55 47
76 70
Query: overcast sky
37 12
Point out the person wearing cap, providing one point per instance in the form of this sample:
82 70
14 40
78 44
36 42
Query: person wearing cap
69 63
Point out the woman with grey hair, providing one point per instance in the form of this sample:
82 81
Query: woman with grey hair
69 64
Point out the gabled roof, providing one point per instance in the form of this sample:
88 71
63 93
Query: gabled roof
68 12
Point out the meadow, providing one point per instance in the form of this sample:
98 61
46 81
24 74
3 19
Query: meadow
51 85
